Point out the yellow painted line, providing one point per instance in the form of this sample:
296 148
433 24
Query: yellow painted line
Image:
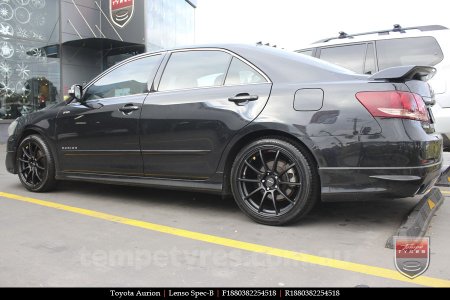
287 254
445 192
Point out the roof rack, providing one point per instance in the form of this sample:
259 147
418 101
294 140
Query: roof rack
396 28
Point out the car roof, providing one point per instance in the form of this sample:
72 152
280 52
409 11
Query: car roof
420 31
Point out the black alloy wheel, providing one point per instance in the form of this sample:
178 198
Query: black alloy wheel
273 182
35 164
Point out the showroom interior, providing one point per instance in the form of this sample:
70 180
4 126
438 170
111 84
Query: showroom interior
48 45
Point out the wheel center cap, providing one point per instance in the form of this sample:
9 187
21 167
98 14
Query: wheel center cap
270 182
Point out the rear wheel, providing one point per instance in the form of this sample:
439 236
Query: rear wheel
273 182
35 164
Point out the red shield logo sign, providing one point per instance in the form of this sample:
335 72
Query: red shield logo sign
121 11
412 256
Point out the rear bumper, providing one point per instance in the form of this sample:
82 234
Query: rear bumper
364 183
403 161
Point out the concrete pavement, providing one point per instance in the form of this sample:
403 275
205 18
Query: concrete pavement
43 246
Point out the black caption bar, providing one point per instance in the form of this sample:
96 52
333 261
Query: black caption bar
210 293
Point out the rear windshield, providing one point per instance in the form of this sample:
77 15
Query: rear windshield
423 51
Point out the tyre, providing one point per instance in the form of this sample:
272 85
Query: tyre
35 164
273 182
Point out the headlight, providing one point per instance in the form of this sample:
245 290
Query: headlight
12 127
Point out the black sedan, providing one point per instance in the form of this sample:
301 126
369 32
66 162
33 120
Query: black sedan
277 130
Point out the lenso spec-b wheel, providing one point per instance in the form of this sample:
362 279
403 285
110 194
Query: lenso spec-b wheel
273 182
35 164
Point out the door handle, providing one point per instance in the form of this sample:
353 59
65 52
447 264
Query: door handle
128 108
241 98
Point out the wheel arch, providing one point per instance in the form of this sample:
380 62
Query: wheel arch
30 130
27 132
304 145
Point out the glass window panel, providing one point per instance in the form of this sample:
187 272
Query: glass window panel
306 52
423 51
129 79
169 23
193 69
241 73
370 67
29 56
350 57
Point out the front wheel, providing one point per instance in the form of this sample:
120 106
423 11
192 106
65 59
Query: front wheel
273 182
35 164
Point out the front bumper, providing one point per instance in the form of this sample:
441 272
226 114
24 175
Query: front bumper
10 161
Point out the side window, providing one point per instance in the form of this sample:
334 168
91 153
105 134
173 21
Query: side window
241 73
369 67
350 57
193 69
424 51
308 52
129 79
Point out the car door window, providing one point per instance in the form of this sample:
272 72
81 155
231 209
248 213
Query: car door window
129 79
422 51
193 69
350 56
308 52
241 73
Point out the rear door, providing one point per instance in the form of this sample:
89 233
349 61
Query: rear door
205 96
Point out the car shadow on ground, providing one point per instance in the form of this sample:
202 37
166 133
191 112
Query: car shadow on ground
374 211
149 196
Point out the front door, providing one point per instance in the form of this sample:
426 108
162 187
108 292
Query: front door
100 133
204 98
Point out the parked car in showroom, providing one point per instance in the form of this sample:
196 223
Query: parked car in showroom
276 129
369 52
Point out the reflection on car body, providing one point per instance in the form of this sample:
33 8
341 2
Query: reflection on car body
369 52
277 130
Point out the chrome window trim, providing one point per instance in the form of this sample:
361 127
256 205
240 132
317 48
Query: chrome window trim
232 54
118 65
207 87
116 97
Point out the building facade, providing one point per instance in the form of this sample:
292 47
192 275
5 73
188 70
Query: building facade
48 45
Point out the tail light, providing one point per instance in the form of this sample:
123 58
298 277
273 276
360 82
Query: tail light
394 104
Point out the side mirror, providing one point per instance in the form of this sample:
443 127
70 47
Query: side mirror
76 91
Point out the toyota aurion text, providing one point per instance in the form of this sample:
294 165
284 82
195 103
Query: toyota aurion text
279 131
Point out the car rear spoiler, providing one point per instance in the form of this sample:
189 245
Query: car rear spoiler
404 73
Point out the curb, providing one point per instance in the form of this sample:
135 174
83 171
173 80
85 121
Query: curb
444 179
418 220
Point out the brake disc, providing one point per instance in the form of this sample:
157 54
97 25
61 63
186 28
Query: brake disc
288 176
